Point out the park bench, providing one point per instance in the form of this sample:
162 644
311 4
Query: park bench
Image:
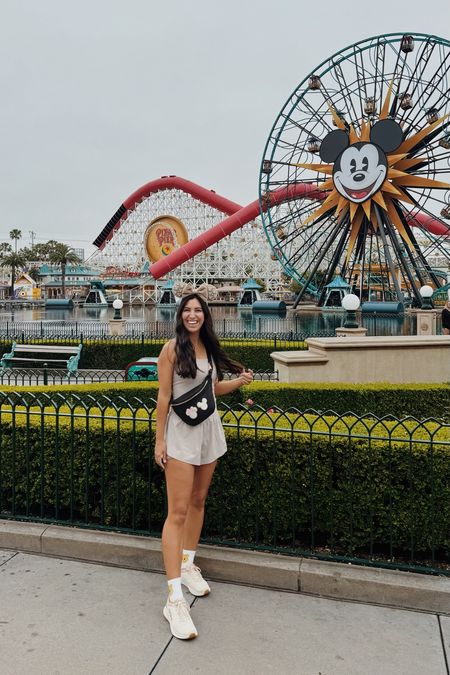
47 355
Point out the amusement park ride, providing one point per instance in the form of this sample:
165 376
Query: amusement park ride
172 210
352 181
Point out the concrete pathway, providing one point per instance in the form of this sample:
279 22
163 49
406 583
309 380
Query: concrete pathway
64 617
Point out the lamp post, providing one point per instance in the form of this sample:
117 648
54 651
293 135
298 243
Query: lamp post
117 323
426 320
350 303
351 328
117 305
426 293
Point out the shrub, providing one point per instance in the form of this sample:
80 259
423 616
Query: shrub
280 489
417 400
116 354
400 400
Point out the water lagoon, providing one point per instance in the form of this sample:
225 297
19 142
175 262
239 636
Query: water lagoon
227 320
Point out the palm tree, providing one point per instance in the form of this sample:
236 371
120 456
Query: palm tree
5 248
61 254
13 260
15 235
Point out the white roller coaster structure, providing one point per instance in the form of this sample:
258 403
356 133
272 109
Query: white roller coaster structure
245 253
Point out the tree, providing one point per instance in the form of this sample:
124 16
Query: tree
13 260
295 287
33 272
262 284
61 254
15 235
43 251
5 248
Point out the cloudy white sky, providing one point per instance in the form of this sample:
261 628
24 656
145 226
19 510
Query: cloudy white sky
102 96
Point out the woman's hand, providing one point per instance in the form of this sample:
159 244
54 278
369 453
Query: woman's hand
225 387
246 377
161 454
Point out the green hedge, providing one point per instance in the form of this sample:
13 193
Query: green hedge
416 400
288 490
400 400
87 474
114 354
280 486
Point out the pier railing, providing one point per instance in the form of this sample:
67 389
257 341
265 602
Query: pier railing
295 328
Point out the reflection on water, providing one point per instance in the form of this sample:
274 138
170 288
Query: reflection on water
130 313
226 319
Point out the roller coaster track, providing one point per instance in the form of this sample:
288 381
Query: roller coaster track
237 216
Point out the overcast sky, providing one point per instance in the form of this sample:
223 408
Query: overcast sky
102 96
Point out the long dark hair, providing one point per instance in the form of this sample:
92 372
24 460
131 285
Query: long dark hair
185 362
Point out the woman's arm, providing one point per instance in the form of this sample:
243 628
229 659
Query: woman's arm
226 386
166 363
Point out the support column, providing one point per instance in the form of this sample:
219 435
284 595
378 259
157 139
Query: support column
388 256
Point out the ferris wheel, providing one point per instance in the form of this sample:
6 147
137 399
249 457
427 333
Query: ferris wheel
361 154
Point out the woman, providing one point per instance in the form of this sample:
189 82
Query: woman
188 454
446 318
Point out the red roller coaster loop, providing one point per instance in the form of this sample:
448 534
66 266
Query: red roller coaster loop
238 216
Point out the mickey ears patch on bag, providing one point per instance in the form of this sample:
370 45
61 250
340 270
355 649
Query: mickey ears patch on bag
192 412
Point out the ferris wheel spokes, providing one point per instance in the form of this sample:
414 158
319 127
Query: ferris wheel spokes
396 82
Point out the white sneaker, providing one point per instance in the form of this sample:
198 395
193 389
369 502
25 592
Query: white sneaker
179 617
192 578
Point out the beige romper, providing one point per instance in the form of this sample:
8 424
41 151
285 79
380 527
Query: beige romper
203 443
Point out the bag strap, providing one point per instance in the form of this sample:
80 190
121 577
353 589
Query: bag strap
208 375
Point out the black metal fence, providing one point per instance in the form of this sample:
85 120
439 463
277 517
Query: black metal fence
245 339
294 328
157 330
368 490
21 377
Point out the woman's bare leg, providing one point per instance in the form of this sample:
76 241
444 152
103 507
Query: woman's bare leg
196 512
179 482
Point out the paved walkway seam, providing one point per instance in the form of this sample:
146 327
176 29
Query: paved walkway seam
441 633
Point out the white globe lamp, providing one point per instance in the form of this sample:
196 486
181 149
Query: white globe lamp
117 305
426 293
350 303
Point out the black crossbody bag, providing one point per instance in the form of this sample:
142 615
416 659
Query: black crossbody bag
197 404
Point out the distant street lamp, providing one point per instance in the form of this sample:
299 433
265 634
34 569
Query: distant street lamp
117 305
350 303
426 320
426 293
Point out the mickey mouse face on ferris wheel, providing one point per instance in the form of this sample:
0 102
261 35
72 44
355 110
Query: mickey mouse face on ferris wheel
361 168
